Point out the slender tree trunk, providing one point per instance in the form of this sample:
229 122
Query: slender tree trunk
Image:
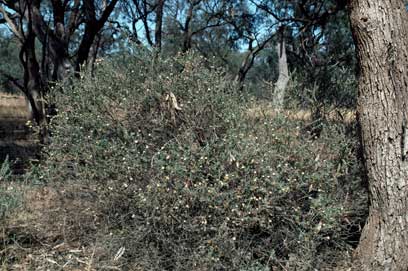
85 47
93 26
33 88
249 60
144 16
187 28
159 24
380 30
244 68
94 53
283 79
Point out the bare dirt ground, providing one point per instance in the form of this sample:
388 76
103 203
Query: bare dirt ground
13 106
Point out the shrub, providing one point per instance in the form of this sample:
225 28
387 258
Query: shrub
188 180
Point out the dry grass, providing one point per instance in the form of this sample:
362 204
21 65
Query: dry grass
52 229
266 110
13 107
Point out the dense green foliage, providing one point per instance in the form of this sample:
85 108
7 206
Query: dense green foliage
187 178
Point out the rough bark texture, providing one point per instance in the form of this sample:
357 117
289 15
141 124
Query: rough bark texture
380 30
283 78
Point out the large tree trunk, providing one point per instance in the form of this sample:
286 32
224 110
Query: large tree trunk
380 30
57 48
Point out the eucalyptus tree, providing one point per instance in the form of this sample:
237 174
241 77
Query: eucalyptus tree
145 14
253 34
380 30
189 22
319 46
65 30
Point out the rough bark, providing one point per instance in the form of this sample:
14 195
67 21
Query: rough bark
283 79
380 30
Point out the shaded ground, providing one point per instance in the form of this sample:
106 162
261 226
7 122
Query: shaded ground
17 142
44 233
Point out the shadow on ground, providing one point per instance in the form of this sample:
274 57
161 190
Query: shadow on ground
18 143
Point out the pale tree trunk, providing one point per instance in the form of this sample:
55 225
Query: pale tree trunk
283 79
380 30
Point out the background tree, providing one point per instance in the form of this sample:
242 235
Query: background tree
10 67
65 31
283 79
187 21
239 35
144 14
